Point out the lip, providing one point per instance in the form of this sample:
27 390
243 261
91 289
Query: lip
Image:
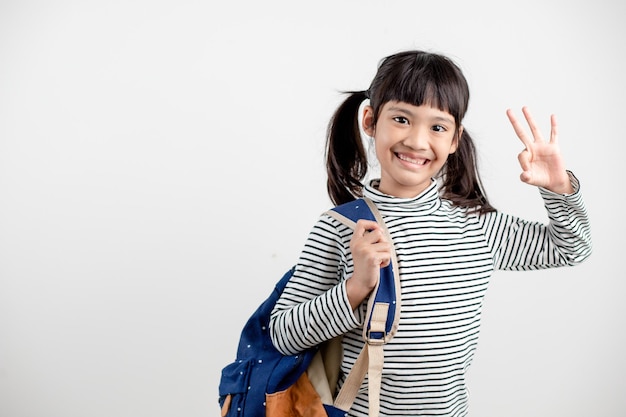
412 161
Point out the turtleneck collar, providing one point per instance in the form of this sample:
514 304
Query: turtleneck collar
425 203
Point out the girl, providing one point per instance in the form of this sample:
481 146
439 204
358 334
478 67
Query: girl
447 236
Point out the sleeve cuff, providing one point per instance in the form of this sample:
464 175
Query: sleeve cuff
575 185
348 312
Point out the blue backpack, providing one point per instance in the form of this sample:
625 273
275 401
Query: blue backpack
260 381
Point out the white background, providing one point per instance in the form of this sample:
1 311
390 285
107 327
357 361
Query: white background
161 164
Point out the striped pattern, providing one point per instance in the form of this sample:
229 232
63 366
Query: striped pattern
446 257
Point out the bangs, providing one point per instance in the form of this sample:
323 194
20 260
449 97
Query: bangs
423 79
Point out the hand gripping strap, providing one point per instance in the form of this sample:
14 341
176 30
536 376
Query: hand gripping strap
383 314
388 286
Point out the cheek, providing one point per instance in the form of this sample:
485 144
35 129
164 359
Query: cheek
381 148
449 146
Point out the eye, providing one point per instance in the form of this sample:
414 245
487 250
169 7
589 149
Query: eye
401 119
439 128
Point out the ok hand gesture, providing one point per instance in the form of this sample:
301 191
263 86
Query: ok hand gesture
541 160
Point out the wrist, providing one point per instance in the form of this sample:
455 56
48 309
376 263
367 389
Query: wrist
356 291
562 187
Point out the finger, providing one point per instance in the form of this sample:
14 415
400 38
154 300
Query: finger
371 254
533 126
367 233
517 127
374 237
553 130
383 254
365 226
524 159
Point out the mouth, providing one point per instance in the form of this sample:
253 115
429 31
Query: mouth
412 160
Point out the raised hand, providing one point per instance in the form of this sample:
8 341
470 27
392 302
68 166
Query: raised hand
541 160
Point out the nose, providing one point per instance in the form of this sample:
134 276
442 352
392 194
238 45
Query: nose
417 138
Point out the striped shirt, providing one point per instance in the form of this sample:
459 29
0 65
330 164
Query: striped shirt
446 256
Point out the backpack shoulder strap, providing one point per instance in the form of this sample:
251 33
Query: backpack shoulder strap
383 312
388 288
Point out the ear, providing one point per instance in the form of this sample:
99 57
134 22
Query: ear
455 142
367 121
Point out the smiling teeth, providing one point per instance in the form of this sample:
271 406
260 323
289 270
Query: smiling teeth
411 160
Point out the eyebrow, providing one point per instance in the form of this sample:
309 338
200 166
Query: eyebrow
410 113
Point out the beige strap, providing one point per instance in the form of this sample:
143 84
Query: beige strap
374 376
376 357
371 359
352 384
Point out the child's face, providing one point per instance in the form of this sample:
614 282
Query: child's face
412 145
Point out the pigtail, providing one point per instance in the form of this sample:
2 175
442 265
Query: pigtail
346 158
461 181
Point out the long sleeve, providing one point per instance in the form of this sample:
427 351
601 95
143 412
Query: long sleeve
314 306
518 244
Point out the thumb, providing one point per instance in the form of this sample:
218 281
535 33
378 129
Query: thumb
527 177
